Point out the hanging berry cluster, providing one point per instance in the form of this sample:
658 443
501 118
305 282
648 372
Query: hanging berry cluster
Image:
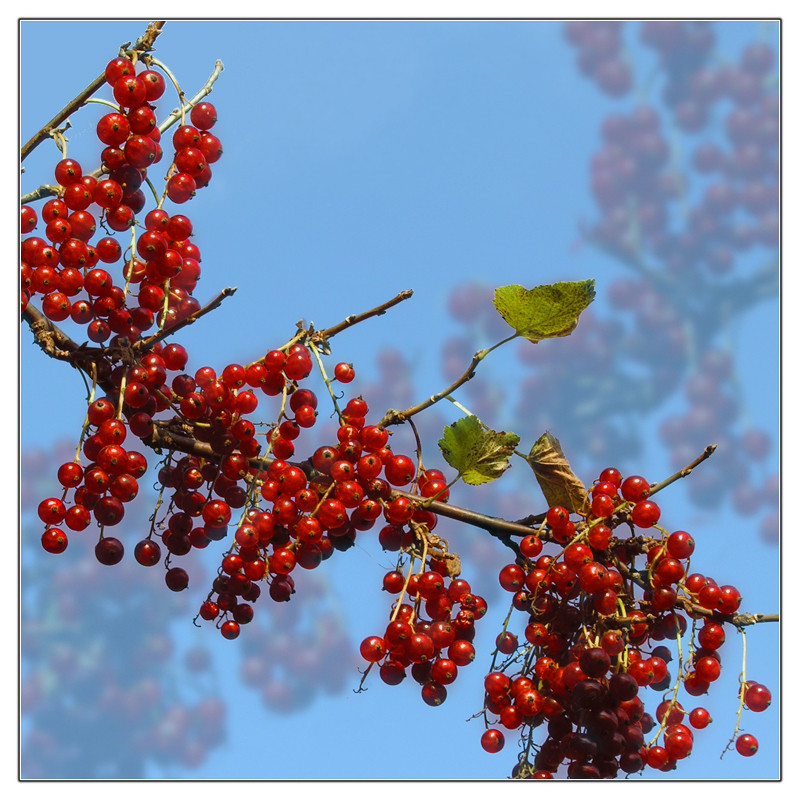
594 614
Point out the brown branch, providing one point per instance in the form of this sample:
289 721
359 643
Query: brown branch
40 194
694 609
145 344
141 45
48 336
354 319
499 528
682 473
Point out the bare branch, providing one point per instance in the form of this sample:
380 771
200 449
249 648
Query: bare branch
354 319
682 473
144 344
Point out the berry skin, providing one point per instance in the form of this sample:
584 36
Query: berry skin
54 540
344 373
177 579
680 544
757 697
492 741
373 649
645 514
557 517
109 551
699 718
747 745
229 629
203 116
635 488
28 219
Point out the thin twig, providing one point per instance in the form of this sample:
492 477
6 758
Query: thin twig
682 473
354 319
395 417
144 344
205 90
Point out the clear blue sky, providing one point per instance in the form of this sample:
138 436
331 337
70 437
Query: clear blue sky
361 159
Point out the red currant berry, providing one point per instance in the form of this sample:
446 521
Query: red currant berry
54 540
177 579
747 745
109 551
492 741
645 513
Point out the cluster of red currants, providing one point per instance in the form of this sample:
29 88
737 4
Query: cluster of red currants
312 508
595 613
433 636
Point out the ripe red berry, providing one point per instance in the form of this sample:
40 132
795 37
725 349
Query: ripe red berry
492 741
203 116
147 553
229 629
177 579
747 745
634 488
373 649
645 513
344 373
109 551
54 540
757 697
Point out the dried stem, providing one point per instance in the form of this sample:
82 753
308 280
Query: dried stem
499 528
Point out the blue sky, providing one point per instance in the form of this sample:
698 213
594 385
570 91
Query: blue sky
361 159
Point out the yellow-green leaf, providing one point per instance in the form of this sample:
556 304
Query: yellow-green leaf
546 311
478 454
558 482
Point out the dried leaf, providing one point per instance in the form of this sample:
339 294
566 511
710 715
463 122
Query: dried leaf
558 482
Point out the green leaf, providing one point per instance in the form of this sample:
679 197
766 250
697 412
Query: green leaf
479 454
559 484
544 312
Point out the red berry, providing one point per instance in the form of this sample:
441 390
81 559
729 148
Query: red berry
177 579
373 649
147 553
109 551
229 629
645 514
757 697
747 745
344 373
492 741
54 540
203 116
635 488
